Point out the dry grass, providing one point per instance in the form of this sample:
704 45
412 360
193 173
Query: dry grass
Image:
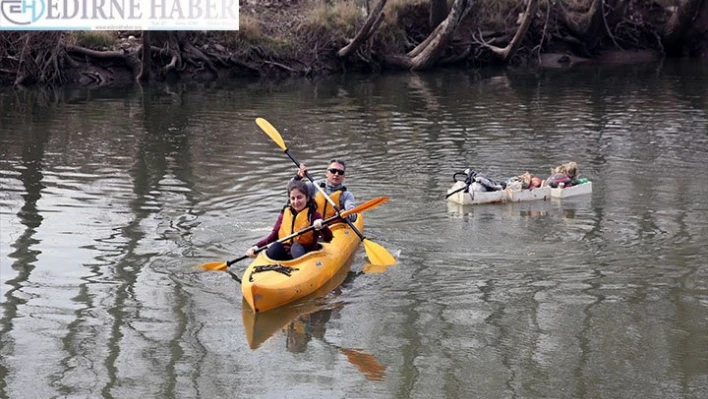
97 39
250 28
339 18
250 33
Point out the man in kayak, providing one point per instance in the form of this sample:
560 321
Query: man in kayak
333 185
299 214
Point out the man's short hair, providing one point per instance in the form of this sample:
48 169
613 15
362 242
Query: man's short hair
340 162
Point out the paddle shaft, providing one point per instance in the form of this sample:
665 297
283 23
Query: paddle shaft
286 238
370 204
456 191
331 202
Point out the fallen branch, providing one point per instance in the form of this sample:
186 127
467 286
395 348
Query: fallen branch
102 55
279 65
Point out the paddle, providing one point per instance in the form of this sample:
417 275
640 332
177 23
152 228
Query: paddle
456 191
370 204
376 253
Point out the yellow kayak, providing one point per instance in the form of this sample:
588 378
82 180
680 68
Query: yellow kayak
268 284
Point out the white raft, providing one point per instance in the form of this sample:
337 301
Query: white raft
470 197
534 194
565 192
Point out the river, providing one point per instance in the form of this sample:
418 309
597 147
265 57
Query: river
111 197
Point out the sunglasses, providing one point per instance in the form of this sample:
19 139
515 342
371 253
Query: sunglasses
336 171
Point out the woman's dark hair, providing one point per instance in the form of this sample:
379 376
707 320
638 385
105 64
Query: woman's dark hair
300 186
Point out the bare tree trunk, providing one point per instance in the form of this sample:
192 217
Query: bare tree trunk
146 61
370 25
507 52
428 52
438 13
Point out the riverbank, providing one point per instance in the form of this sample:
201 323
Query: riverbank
284 38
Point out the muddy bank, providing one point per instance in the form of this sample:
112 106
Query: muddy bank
285 38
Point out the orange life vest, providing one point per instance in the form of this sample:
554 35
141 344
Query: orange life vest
293 223
324 207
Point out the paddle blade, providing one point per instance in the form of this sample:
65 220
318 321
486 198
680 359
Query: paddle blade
378 255
272 132
213 266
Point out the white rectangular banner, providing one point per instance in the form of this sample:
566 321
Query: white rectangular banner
38 15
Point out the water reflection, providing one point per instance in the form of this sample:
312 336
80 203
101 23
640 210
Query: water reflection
29 171
566 208
307 319
109 197
261 326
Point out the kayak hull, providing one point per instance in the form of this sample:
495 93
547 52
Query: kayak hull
268 284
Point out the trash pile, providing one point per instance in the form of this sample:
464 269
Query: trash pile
478 182
524 187
524 181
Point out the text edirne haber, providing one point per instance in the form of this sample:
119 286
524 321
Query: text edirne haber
135 9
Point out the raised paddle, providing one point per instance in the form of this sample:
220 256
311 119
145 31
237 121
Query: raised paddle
377 254
370 204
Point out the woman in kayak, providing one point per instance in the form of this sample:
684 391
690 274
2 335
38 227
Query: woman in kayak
299 214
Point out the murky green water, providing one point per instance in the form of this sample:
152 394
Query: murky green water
109 197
